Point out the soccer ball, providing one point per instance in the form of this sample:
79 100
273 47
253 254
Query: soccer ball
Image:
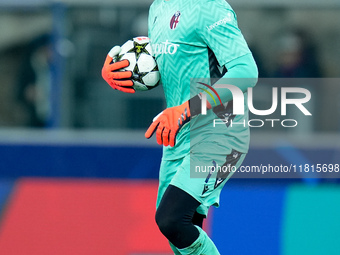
142 64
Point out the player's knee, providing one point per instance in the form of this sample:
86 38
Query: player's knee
198 219
169 225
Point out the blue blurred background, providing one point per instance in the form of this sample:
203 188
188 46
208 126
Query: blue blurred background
77 175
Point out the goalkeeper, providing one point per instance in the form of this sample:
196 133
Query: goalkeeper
194 39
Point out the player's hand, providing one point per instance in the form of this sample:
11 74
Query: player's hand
168 123
120 80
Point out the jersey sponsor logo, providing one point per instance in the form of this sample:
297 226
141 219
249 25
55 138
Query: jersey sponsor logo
174 20
164 48
224 21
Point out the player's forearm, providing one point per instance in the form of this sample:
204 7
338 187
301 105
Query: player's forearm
242 72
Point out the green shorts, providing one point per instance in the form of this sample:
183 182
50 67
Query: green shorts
201 174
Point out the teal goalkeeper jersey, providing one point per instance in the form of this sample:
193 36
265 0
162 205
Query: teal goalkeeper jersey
197 39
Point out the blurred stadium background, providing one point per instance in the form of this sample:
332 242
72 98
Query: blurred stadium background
77 176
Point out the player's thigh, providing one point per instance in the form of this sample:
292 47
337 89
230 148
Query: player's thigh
167 171
203 175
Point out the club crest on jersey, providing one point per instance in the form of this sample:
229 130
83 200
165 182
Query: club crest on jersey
174 20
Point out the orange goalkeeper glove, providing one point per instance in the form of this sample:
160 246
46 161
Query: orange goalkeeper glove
120 80
168 123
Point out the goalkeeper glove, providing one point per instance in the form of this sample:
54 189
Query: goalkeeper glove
119 80
168 123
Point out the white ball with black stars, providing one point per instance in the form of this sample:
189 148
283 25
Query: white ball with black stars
142 64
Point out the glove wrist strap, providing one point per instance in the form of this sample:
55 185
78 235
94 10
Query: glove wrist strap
195 105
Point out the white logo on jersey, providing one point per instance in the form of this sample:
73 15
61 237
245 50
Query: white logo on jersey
219 181
224 21
164 48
